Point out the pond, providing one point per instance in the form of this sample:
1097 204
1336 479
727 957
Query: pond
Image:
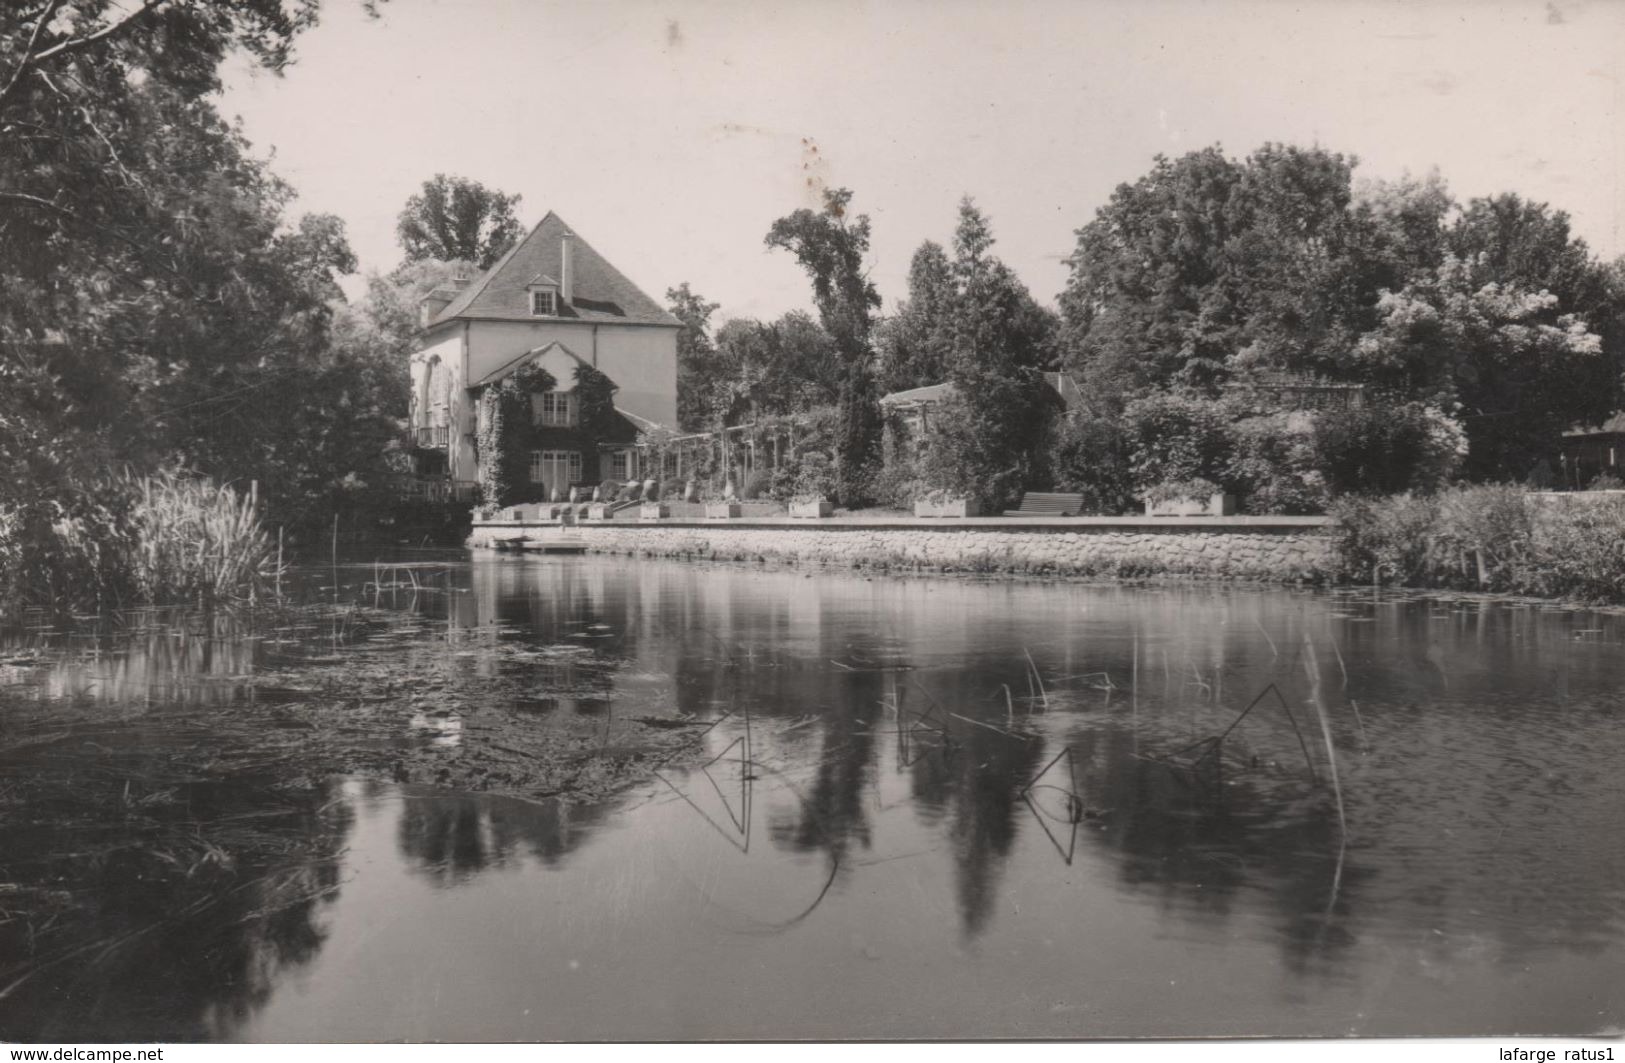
887 808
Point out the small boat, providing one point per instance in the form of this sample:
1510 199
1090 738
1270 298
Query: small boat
557 545
516 543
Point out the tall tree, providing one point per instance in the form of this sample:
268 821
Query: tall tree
916 342
456 218
696 359
1518 370
764 370
1208 266
157 304
990 442
830 247
1148 300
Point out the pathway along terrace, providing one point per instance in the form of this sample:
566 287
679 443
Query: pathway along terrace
1275 549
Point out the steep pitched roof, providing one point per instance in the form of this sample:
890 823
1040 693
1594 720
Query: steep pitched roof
929 393
601 293
507 369
1614 425
1062 383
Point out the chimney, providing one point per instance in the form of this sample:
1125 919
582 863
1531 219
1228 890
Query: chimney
567 270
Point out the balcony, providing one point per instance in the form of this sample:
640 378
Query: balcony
432 437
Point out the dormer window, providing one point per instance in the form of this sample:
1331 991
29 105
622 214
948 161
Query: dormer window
544 296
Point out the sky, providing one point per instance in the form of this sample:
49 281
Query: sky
671 133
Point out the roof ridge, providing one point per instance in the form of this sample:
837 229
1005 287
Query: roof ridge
579 239
513 363
602 293
472 292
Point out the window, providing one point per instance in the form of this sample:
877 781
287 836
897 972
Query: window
555 468
544 303
618 465
554 408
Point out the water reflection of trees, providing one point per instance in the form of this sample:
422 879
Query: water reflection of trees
1205 838
837 657
178 932
452 837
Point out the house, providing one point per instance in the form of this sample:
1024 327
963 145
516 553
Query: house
1295 391
908 413
1588 451
555 303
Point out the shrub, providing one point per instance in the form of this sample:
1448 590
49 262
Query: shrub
815 478
1482 538
1384 540
1605 481
1089 454
1578 549
1174 437
1493 538
67 552
1272 465
1386 449
988 441
757 485
899 485
781 483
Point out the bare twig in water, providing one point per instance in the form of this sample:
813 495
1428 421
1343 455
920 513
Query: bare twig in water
1217 741
1266 635
1042 694
1071 773
1312 667
990 727
1364 741
1204 684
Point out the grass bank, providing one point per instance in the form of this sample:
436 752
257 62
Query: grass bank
1497 539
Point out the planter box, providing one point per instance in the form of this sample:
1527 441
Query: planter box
598 511
722 510
812 509
1214 506
959 507
653 511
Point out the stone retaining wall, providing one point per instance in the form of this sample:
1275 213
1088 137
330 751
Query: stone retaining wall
1263 548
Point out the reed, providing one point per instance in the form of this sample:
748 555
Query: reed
195 540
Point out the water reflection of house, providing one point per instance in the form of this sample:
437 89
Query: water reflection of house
1589 451
554 301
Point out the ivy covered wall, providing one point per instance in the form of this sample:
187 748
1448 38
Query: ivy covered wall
508 432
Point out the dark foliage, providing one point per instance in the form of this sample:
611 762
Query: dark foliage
455 218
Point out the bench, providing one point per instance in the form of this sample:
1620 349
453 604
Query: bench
1047 504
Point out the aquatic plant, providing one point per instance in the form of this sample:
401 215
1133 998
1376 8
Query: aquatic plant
195 540
1489 538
